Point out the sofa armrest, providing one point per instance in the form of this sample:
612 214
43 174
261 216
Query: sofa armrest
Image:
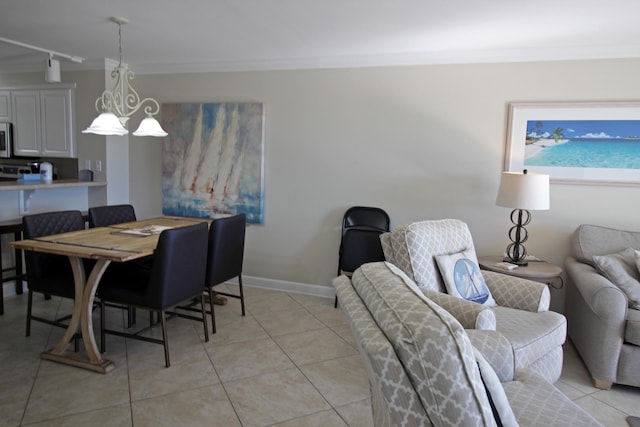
497 350
596 313
471 315
602 297
515 292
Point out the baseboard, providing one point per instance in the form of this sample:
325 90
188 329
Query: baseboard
253 282
285 286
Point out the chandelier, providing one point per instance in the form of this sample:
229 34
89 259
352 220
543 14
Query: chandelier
116 106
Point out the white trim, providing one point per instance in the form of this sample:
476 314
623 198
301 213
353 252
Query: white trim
354 61
285 286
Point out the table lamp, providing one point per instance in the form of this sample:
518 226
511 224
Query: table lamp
521 191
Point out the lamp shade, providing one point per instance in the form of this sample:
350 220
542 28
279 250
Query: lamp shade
523 190
150 127
106 124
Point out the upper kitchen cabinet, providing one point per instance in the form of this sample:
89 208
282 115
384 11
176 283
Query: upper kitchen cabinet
43 122
5 106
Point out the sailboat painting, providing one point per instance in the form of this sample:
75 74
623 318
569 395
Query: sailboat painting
469 281
213 160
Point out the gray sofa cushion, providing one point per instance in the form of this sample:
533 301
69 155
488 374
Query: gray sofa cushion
589 240
620 268
632 330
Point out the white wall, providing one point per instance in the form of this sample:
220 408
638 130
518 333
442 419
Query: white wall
423 142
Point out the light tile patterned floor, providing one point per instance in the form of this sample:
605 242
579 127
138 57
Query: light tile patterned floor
291 361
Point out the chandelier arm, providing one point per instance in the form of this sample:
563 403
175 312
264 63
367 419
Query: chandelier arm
123 101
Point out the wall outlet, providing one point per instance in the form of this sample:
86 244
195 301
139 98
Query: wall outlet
87 164
98 165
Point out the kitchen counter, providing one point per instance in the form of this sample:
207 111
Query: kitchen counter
58 183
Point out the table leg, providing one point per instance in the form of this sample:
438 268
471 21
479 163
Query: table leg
81 318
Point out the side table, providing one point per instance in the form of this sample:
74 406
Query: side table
539 271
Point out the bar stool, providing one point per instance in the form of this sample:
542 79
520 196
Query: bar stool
7 227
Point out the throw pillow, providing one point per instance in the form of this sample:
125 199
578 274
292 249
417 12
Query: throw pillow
620 268
463 279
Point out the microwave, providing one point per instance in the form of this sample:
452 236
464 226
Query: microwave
6 143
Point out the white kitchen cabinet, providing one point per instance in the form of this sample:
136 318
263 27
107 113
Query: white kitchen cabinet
5 106
43 122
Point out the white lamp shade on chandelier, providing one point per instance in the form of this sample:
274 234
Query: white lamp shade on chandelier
116 106
106 124
524 190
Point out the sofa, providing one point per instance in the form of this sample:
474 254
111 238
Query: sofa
602 303
519 319
423 369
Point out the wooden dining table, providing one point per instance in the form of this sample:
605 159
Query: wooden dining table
115 243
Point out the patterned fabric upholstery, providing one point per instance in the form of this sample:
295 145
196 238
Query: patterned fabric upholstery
537 403
393 398
421 364
522 314
514 292
422 333
496 350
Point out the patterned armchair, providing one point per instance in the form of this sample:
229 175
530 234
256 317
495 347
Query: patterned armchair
423 369
521 318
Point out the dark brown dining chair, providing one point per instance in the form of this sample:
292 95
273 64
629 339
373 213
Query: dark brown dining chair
177 275
49 274
225 257
104 216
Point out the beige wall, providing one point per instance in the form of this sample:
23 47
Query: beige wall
423 142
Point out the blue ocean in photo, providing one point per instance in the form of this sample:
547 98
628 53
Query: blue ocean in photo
583 143
592 153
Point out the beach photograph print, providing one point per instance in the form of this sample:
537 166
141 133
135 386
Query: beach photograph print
213 160
583 143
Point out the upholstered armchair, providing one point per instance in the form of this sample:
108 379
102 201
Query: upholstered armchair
602 304
519 319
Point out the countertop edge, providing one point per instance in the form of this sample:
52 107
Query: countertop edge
63 183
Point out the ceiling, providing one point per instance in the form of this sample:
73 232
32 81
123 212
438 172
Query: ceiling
166 36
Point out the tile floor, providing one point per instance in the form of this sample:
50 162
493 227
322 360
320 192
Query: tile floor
291 361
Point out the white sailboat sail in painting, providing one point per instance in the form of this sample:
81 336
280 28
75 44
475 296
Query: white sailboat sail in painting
192 158
177 172
206 175
227 157
236 174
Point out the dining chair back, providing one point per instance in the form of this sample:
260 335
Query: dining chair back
49 274
225 256
360 238
102 216
177 275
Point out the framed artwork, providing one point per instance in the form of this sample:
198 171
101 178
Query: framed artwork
579 143
213 160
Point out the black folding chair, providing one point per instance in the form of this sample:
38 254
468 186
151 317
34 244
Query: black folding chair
360 241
